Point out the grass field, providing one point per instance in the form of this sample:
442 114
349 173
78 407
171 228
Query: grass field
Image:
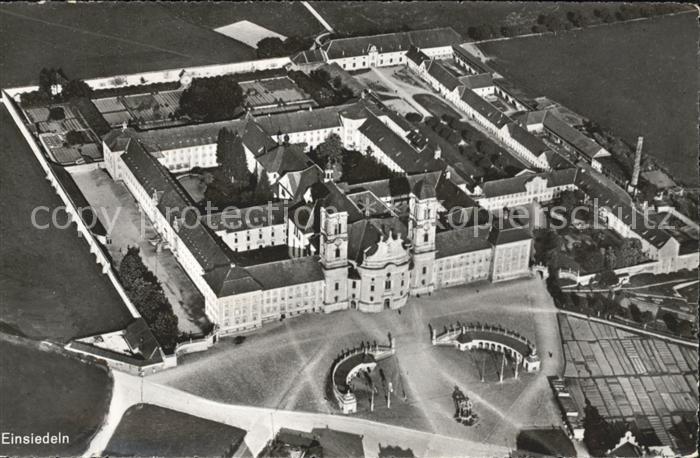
102 39
288 19
50 285
147 430
635 78
43 391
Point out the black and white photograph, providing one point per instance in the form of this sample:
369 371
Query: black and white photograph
349 229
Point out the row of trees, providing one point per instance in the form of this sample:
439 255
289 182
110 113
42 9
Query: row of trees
146 293
558 20
276 47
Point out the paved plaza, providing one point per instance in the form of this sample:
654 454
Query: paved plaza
285 364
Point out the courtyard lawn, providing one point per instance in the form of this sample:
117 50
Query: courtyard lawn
86 41
633 78
45 391
50 285
285 364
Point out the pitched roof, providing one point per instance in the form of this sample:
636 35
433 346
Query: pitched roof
301 121
339 444
462 240
300 181
173 200
228 280
281 159
392 145
516 184
416 56
506 231
525 138
471 59
620 204
442 75
288 272
477 81
483 107
572 136
391 42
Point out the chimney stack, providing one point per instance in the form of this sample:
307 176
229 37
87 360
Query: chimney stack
637 163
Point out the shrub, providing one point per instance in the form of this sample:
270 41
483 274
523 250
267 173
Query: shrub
414 117
212 99
57 113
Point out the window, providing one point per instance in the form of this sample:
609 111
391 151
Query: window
354 284
337 252
387 284
337 286
425 237
425 270
371 288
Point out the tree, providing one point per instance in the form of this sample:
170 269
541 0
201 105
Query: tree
597 435
263 189
76 88
271 47
230 154
671 322
629 253
131 267
165 329
331 148
212 99
45 81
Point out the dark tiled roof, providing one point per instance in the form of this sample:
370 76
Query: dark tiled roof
281 159
510 232
301 181
391 42
141 339
288 272
364 235
173 200
463 240
391 144
227 281
302 121
339 444
471 59
484 108
571 135
478 81
618 201
416 55
525 138
442 75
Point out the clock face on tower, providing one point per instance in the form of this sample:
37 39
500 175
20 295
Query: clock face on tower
426 226
338 242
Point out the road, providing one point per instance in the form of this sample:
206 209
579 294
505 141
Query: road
260 422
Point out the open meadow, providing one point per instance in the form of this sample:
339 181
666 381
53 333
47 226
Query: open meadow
652 91
44 391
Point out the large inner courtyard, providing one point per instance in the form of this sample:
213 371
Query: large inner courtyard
284 365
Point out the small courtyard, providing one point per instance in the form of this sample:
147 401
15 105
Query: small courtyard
284 365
